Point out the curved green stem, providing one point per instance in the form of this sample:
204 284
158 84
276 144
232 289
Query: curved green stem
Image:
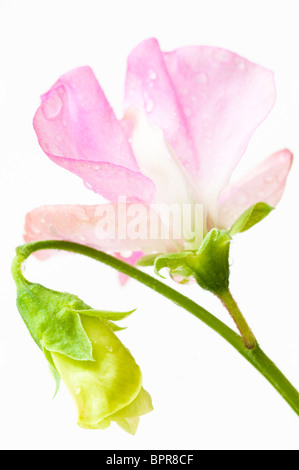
232 306
254 355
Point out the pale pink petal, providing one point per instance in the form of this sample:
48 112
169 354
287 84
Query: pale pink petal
208 102
265 183
77 129
106 227
149 87
111 181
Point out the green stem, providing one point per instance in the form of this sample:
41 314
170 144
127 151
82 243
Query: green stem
231 305
254 355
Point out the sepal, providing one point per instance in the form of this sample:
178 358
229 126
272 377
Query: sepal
177 265
52 320
252 216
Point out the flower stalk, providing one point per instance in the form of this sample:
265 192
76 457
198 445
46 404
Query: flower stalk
231 305
253 355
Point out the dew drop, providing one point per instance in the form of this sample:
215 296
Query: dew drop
269 179
152 74
77 390
280 178
222 56
80 213
202 78
240 63
109 348
87 185
126 254
261 195
52 106
241 199
149 104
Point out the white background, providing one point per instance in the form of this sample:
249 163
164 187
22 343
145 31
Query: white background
205 395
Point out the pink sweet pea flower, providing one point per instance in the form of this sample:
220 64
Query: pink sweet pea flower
189 115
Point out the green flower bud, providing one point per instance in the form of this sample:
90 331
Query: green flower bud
81 347
108 388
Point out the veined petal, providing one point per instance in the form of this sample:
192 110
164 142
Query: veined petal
105 386
207 101
265 183
76 121
109 180
77 129
149 87
107 227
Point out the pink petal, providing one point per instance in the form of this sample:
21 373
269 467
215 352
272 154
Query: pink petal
109 180
123 279
101 227
77 129
265 183
208 102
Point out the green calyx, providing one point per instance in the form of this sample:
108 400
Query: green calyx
209 266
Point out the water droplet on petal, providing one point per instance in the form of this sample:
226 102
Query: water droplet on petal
240 63
80 213
87 185
148 103
52 106
261 195
241 199
109 348
280 178
77 390
202 78
152 74
269 179
126 254
222 56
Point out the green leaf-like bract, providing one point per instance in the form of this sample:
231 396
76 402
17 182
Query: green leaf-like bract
176 263
147 260
251 217
53 320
